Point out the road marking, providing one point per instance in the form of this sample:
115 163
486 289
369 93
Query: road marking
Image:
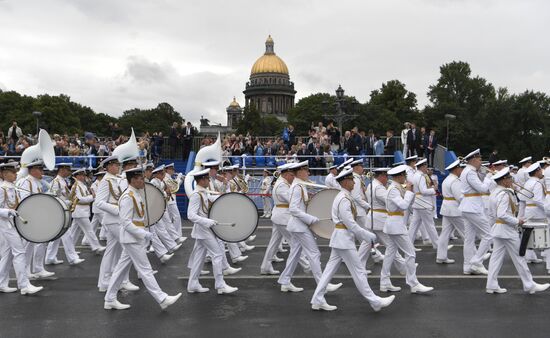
370 277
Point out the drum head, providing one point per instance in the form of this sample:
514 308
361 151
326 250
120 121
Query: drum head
155 204
237 209
320 206
45 216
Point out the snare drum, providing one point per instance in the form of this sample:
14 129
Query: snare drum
47 216
540 236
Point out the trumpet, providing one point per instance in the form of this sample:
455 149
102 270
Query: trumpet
313 185
518 188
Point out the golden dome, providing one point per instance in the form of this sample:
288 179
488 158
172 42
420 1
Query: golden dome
269 62
234 103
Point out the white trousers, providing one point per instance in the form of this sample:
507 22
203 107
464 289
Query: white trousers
161 228
475 224
111 256
12 251
169 226
267 205
234 250
137 255
87 228
196 262
449 225
68 247
423 218
302 241
357 271
158 246
365 249
175 217
278 233
399 242
511 246
35 254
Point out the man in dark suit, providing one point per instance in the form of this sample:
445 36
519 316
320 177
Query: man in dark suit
188 135
390 145
413 140
430 145
422 144
173 138
318 161
302 153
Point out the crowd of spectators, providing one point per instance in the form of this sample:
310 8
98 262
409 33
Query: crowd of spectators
319 147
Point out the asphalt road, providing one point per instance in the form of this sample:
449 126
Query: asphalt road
71 306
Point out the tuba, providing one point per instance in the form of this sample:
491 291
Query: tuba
43 150
212 152
128 149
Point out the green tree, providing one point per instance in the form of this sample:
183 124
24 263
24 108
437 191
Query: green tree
253 123
310 109
149 120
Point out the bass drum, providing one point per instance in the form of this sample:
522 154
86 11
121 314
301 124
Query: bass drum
320 206
47 218
237 216
155 204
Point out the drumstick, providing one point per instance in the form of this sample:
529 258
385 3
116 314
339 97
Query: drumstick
22 219
227 224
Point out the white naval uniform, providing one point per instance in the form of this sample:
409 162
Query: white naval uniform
173 212
475 219
330 181
81 213
133 239
35 252
12 250
534 210
60 189
301 237
205 241
452 216
97 218
107 197
434 197
376 217
265 189
163 228
408 218
279 218
342 243
520 178
505 239
360 199
547 210
396 229
423 209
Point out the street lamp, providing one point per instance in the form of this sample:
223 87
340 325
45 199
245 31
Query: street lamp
37 115
448 117
341 109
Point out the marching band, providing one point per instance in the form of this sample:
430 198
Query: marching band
508 213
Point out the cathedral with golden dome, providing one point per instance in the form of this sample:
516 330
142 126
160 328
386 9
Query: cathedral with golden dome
270 89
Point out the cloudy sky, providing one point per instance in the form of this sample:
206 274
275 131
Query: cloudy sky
113 55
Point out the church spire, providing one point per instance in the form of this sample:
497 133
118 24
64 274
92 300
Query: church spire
269 45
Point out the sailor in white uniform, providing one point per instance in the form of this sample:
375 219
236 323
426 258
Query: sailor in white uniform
452 216
342 243
376 218
301 237
60 188
534 204
97 218
108 194
330 180
35 253
172 205
423 204
399 200
12 249
520 178
134 238
205 241
265 190
506 237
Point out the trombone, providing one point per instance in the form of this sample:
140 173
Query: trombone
520 189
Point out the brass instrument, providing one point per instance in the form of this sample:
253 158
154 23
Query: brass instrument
313 185
241 182
518 188
73 198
